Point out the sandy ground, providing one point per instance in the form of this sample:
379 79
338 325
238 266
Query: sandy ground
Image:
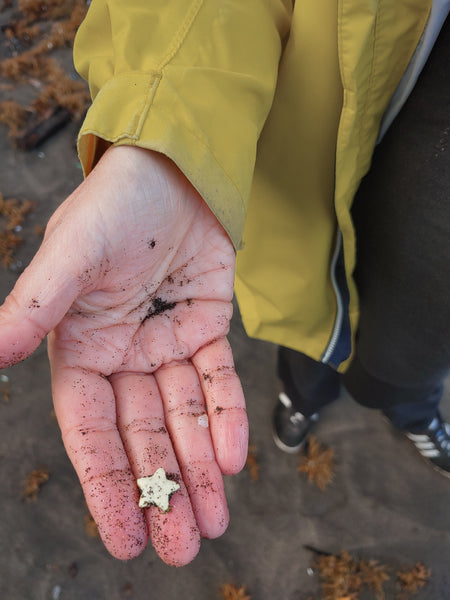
385 503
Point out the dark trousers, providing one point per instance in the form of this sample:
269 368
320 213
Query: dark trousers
402 221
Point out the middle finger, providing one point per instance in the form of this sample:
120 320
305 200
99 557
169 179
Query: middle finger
140 419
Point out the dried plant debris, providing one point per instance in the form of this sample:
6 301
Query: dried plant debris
411 581
58 97
339 576
39 230
35 481
344 577
13 115
34 10
231 592
318 463
5 392
373 576
12 215
127 589
90 526
21 31
252 463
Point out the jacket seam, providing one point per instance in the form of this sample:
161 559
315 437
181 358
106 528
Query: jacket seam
150 96
181 34
363 121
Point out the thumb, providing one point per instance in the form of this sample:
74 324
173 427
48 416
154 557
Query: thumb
41 297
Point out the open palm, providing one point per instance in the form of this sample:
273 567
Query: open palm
134 280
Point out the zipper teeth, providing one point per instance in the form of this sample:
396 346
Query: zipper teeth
340 309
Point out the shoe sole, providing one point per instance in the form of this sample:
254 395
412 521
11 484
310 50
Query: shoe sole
427 460
438 469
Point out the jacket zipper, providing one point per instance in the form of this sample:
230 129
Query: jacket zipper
339 304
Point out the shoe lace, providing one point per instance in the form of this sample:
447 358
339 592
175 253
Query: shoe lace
443 435
297 418
442 438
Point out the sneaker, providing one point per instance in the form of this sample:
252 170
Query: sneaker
290 427
434 444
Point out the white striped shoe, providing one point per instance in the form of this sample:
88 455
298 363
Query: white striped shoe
434 444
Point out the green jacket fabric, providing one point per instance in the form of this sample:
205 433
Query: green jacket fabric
271 109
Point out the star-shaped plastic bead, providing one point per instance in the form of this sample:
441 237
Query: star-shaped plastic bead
156 490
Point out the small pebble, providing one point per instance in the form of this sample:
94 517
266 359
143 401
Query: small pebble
16 267
41 154
56 592
17 228
4 378
310 571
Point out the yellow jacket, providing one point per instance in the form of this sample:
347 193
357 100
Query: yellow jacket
199 80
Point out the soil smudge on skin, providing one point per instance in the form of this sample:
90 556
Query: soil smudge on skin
157 307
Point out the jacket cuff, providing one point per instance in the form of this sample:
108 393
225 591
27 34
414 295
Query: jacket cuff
148 113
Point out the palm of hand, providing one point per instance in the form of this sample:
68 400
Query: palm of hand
139 356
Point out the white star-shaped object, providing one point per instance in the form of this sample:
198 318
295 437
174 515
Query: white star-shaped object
156 490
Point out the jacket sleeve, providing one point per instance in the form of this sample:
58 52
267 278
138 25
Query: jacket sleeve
192 79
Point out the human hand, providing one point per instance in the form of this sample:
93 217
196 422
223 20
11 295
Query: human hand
134 280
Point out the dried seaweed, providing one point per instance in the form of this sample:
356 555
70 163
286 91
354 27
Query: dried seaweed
5 391
252 463
127 589
13 115
35 10
12 215
411 581
32 63
35 67
21 31
35 481
374 575
62 91
318 463
344 577
90 526
231 592
63 32
340 577
39 230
